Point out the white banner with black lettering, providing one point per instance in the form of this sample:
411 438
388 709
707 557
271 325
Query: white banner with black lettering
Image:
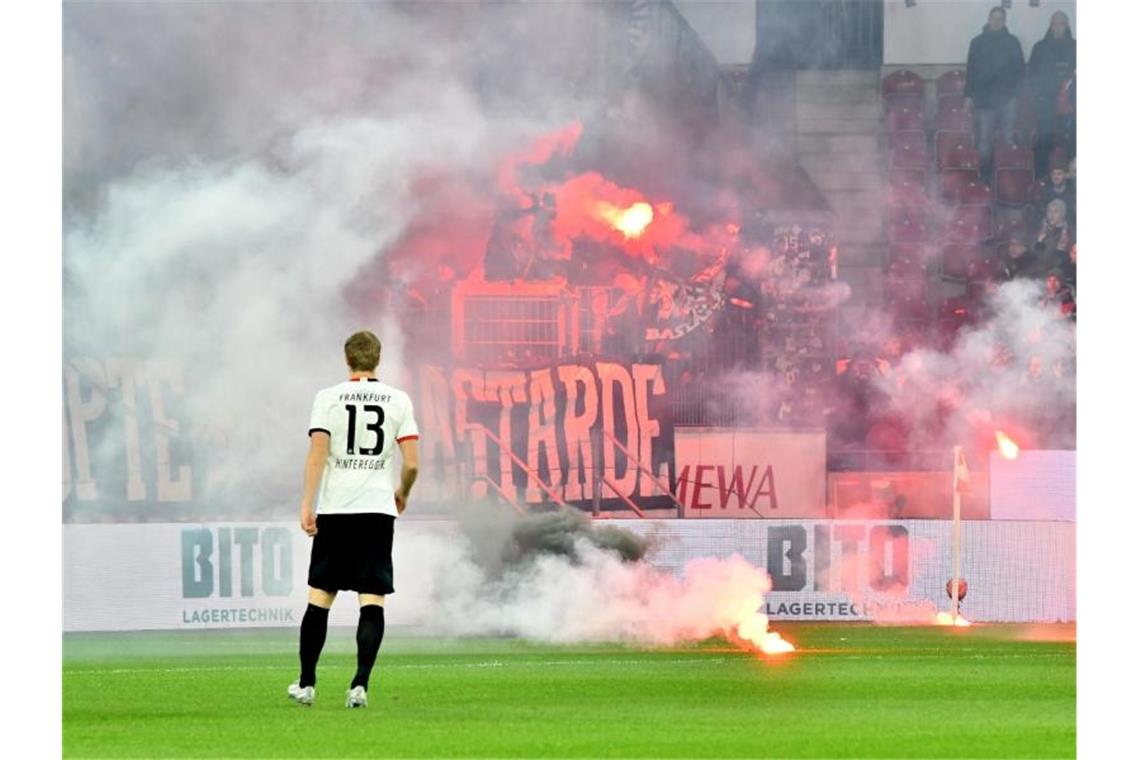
728 473
183 576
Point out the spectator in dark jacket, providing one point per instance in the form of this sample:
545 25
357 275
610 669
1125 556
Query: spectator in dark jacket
994 70
1021 261
1053 59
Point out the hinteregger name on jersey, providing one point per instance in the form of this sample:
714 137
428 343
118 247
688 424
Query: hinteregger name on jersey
370 463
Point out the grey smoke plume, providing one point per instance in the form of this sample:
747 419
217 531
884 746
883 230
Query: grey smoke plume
571 585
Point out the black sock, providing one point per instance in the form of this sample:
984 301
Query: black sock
369 634
314 626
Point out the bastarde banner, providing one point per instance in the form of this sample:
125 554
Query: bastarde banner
584 429
240 575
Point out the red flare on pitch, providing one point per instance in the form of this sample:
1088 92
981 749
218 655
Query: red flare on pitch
753 630
945 618
1007 447
772 643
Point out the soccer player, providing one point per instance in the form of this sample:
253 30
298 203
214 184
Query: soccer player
354 430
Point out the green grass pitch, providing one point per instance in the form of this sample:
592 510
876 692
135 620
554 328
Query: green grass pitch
851 691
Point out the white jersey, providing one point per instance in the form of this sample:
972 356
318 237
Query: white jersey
365 420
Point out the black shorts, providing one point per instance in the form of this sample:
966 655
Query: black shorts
353 553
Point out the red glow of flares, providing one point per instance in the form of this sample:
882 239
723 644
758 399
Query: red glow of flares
592 207
1007 447
562 142
630 222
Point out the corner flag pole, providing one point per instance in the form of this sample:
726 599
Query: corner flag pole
956 539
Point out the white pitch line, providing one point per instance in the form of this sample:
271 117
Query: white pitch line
552 663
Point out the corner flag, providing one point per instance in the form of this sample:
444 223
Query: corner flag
961 472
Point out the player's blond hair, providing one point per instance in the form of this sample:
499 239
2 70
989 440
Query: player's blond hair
362 350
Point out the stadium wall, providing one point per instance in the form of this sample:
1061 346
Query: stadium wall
238 575
938 33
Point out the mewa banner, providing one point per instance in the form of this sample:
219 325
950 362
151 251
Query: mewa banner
239 575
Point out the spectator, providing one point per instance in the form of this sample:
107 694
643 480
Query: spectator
994 70
1020 261
1058 298
1054 238
1058 187
1053 60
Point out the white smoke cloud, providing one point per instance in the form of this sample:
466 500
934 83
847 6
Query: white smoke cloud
552 598
232 169
1013 369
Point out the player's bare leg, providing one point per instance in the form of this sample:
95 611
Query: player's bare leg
369 634
314 628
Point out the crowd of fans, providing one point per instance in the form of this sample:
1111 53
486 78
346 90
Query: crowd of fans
975 202
1037 238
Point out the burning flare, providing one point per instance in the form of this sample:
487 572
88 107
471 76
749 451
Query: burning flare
754 630
945 618
630 222
1006 445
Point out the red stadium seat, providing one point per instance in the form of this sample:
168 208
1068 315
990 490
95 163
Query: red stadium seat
975 193
951 83
980 270
907 194
947 141
959 168
906 158
954 119
952 181
906 215
905 119
955 312
907 155
907 298
1014 186
898 175
908 100
910 140
970 225
907 230
957 259
903 88
907 257
901 268
1012 156
952 106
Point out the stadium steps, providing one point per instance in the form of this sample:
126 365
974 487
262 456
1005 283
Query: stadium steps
838 118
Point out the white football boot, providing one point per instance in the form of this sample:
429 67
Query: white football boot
356 697
301 696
